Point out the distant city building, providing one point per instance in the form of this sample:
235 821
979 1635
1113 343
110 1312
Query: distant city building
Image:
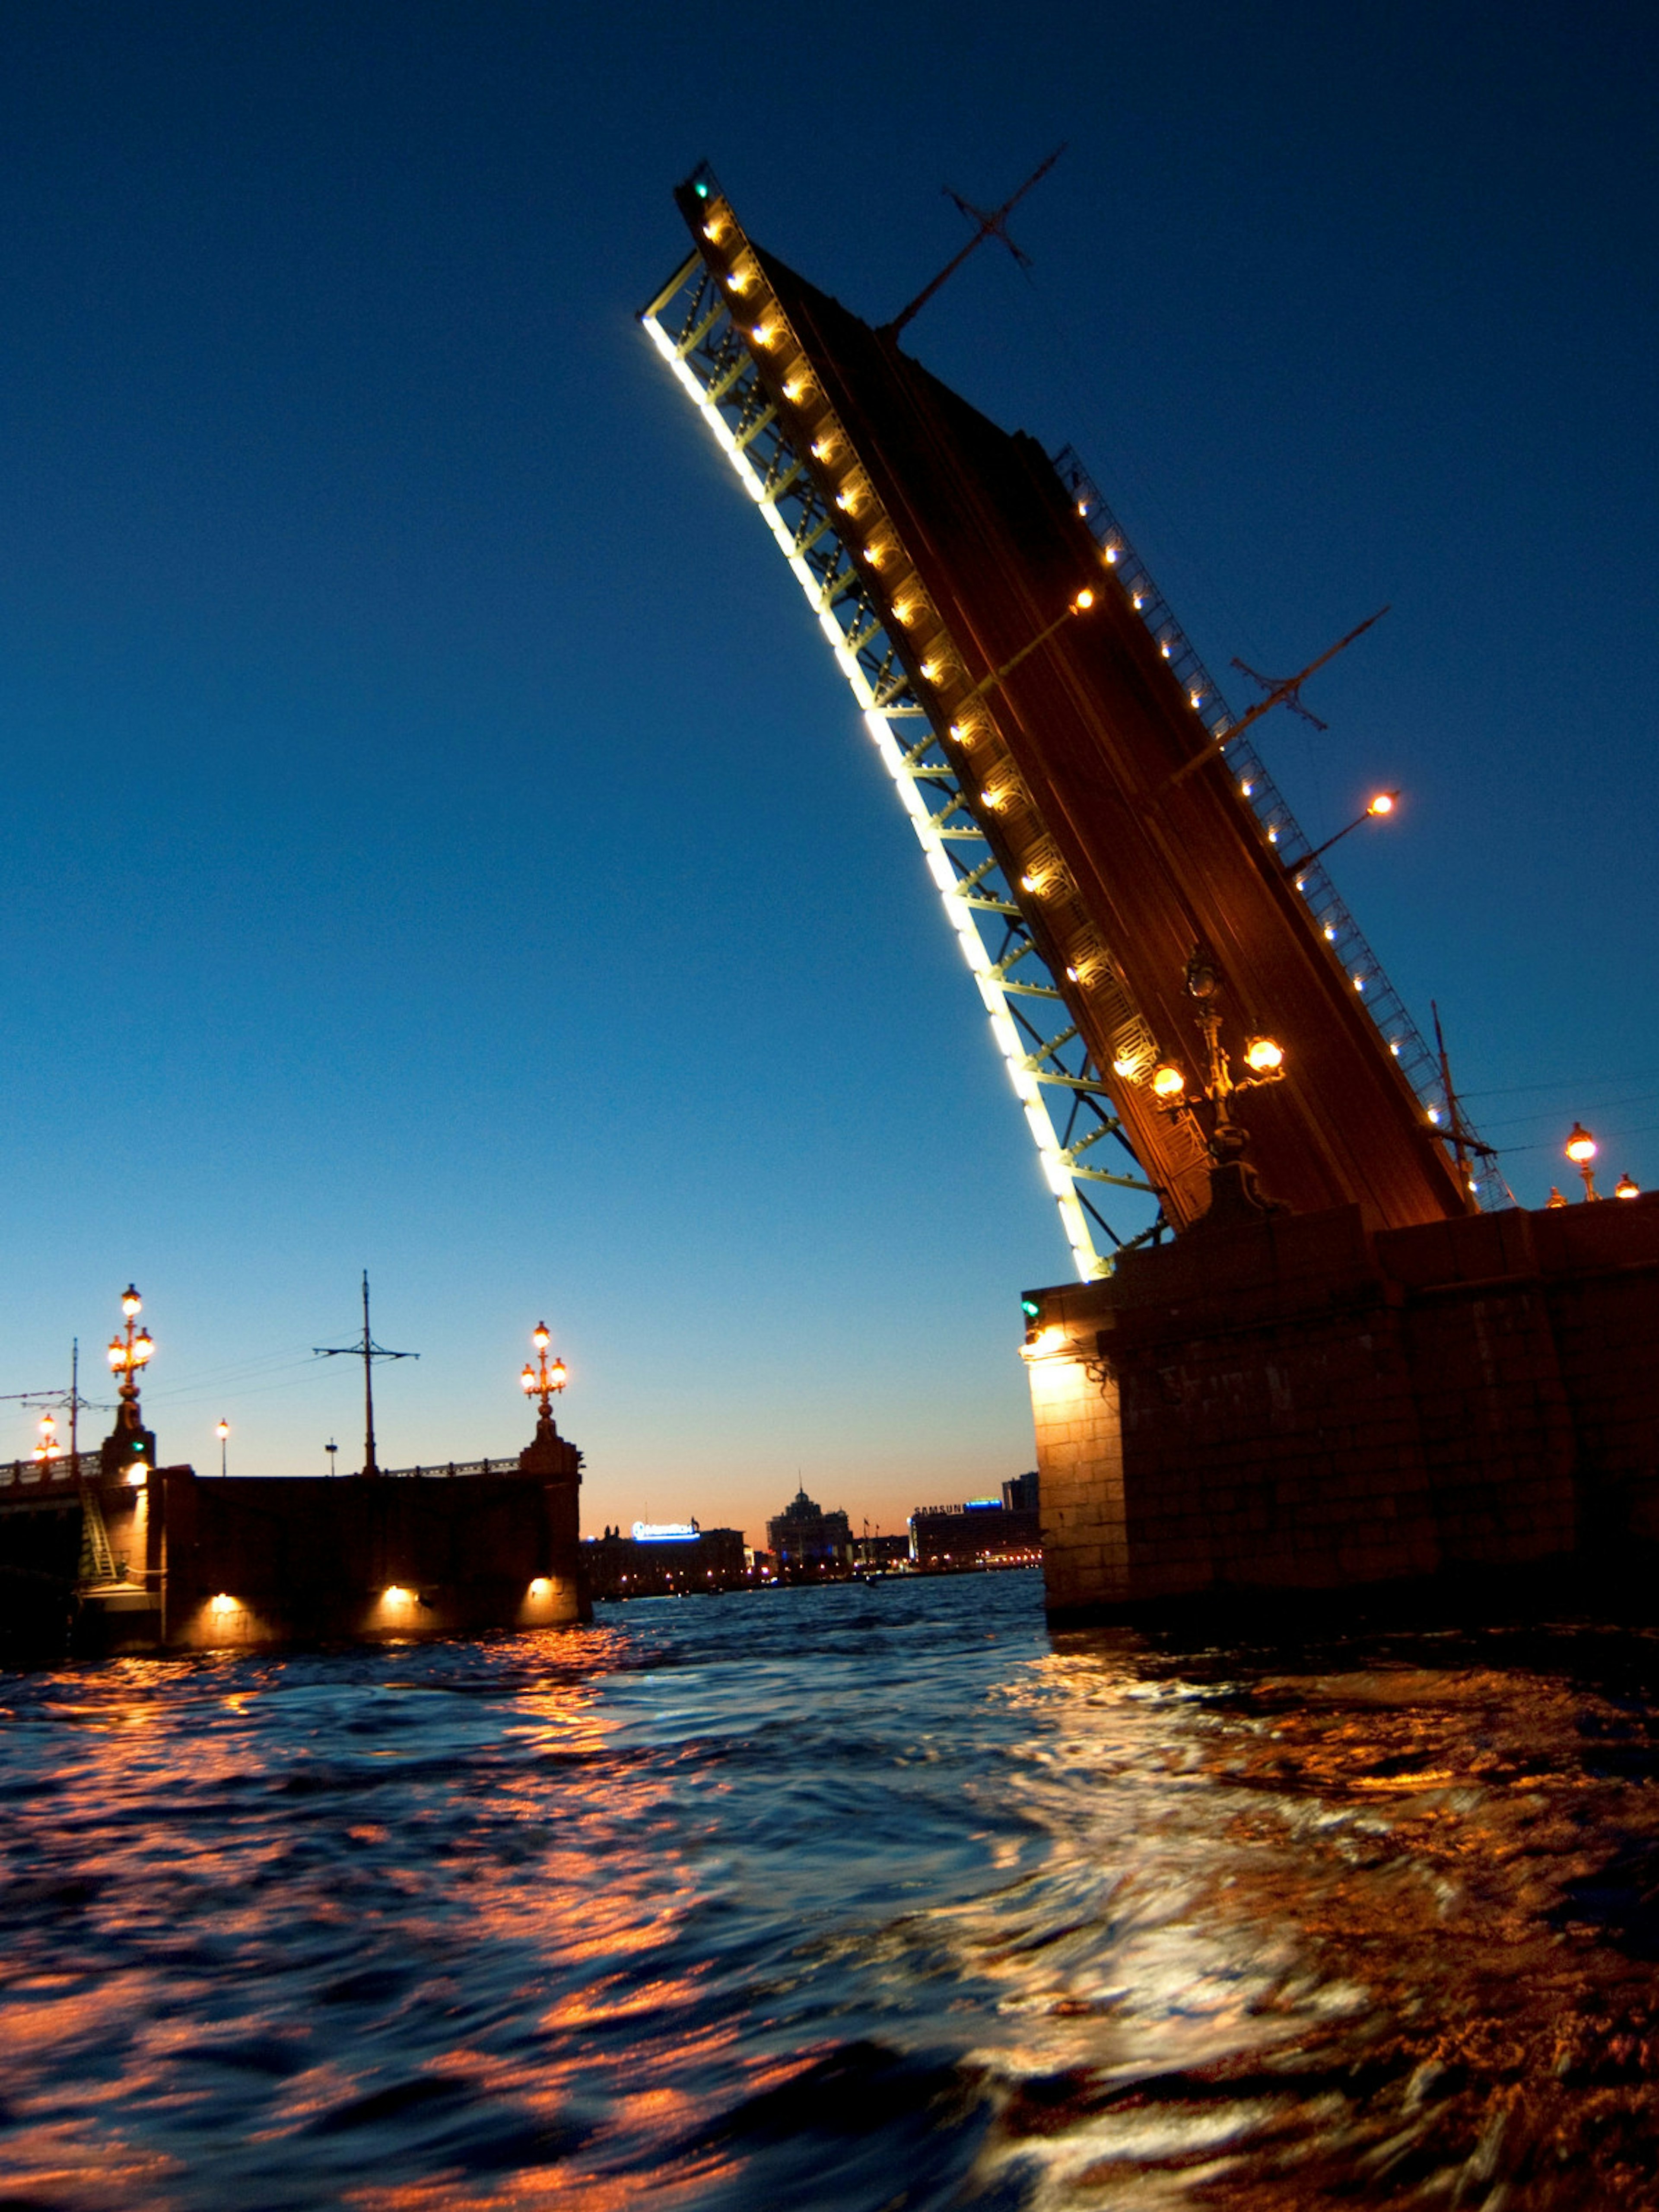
1019 1492
881 1551
803 1535
983 1533
664 1559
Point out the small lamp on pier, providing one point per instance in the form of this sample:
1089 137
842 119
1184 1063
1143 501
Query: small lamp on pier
1581 1148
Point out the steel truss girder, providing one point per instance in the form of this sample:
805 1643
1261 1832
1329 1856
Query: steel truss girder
711 356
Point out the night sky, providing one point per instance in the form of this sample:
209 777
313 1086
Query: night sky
437 839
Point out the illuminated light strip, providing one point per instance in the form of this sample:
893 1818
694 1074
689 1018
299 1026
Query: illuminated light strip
1056 1167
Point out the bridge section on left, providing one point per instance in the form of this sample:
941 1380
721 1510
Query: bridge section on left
180 1562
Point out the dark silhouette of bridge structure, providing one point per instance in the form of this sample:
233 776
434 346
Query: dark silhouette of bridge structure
1203 1044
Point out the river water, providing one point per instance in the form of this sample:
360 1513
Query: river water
852 1898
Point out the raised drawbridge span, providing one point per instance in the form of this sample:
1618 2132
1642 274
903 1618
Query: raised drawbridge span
1085 812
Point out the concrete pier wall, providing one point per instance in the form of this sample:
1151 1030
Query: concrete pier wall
257 1562
1301 1405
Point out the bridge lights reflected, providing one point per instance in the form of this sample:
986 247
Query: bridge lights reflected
1581 1148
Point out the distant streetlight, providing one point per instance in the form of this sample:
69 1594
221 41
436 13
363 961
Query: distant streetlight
1383 803
48 1447
222 1432
1581 1148
543 1381
1626 1188
331 1448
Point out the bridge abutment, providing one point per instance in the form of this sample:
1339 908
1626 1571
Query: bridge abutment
1298 1404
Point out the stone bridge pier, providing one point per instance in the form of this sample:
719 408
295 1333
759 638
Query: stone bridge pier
1299 1404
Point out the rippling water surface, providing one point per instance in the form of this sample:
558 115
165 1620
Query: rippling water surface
852 1898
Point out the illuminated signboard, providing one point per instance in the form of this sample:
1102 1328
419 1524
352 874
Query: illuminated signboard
983 1505
666 1532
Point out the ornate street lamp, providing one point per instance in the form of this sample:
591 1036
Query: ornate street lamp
128 1354
1626 1188
1581 1148
543 1381
1265 1058
48 1447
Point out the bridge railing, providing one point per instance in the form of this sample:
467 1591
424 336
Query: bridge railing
62 1472
451 1467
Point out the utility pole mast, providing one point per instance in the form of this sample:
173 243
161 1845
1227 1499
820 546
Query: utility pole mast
991 225
71 1400
369 1351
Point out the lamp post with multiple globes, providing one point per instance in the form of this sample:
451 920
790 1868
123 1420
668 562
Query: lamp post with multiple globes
129 1352
543 1381
1264 1057
48 1447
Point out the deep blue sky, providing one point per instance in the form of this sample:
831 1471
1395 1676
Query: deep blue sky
436 837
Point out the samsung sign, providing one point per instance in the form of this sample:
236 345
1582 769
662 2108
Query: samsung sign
666 1532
